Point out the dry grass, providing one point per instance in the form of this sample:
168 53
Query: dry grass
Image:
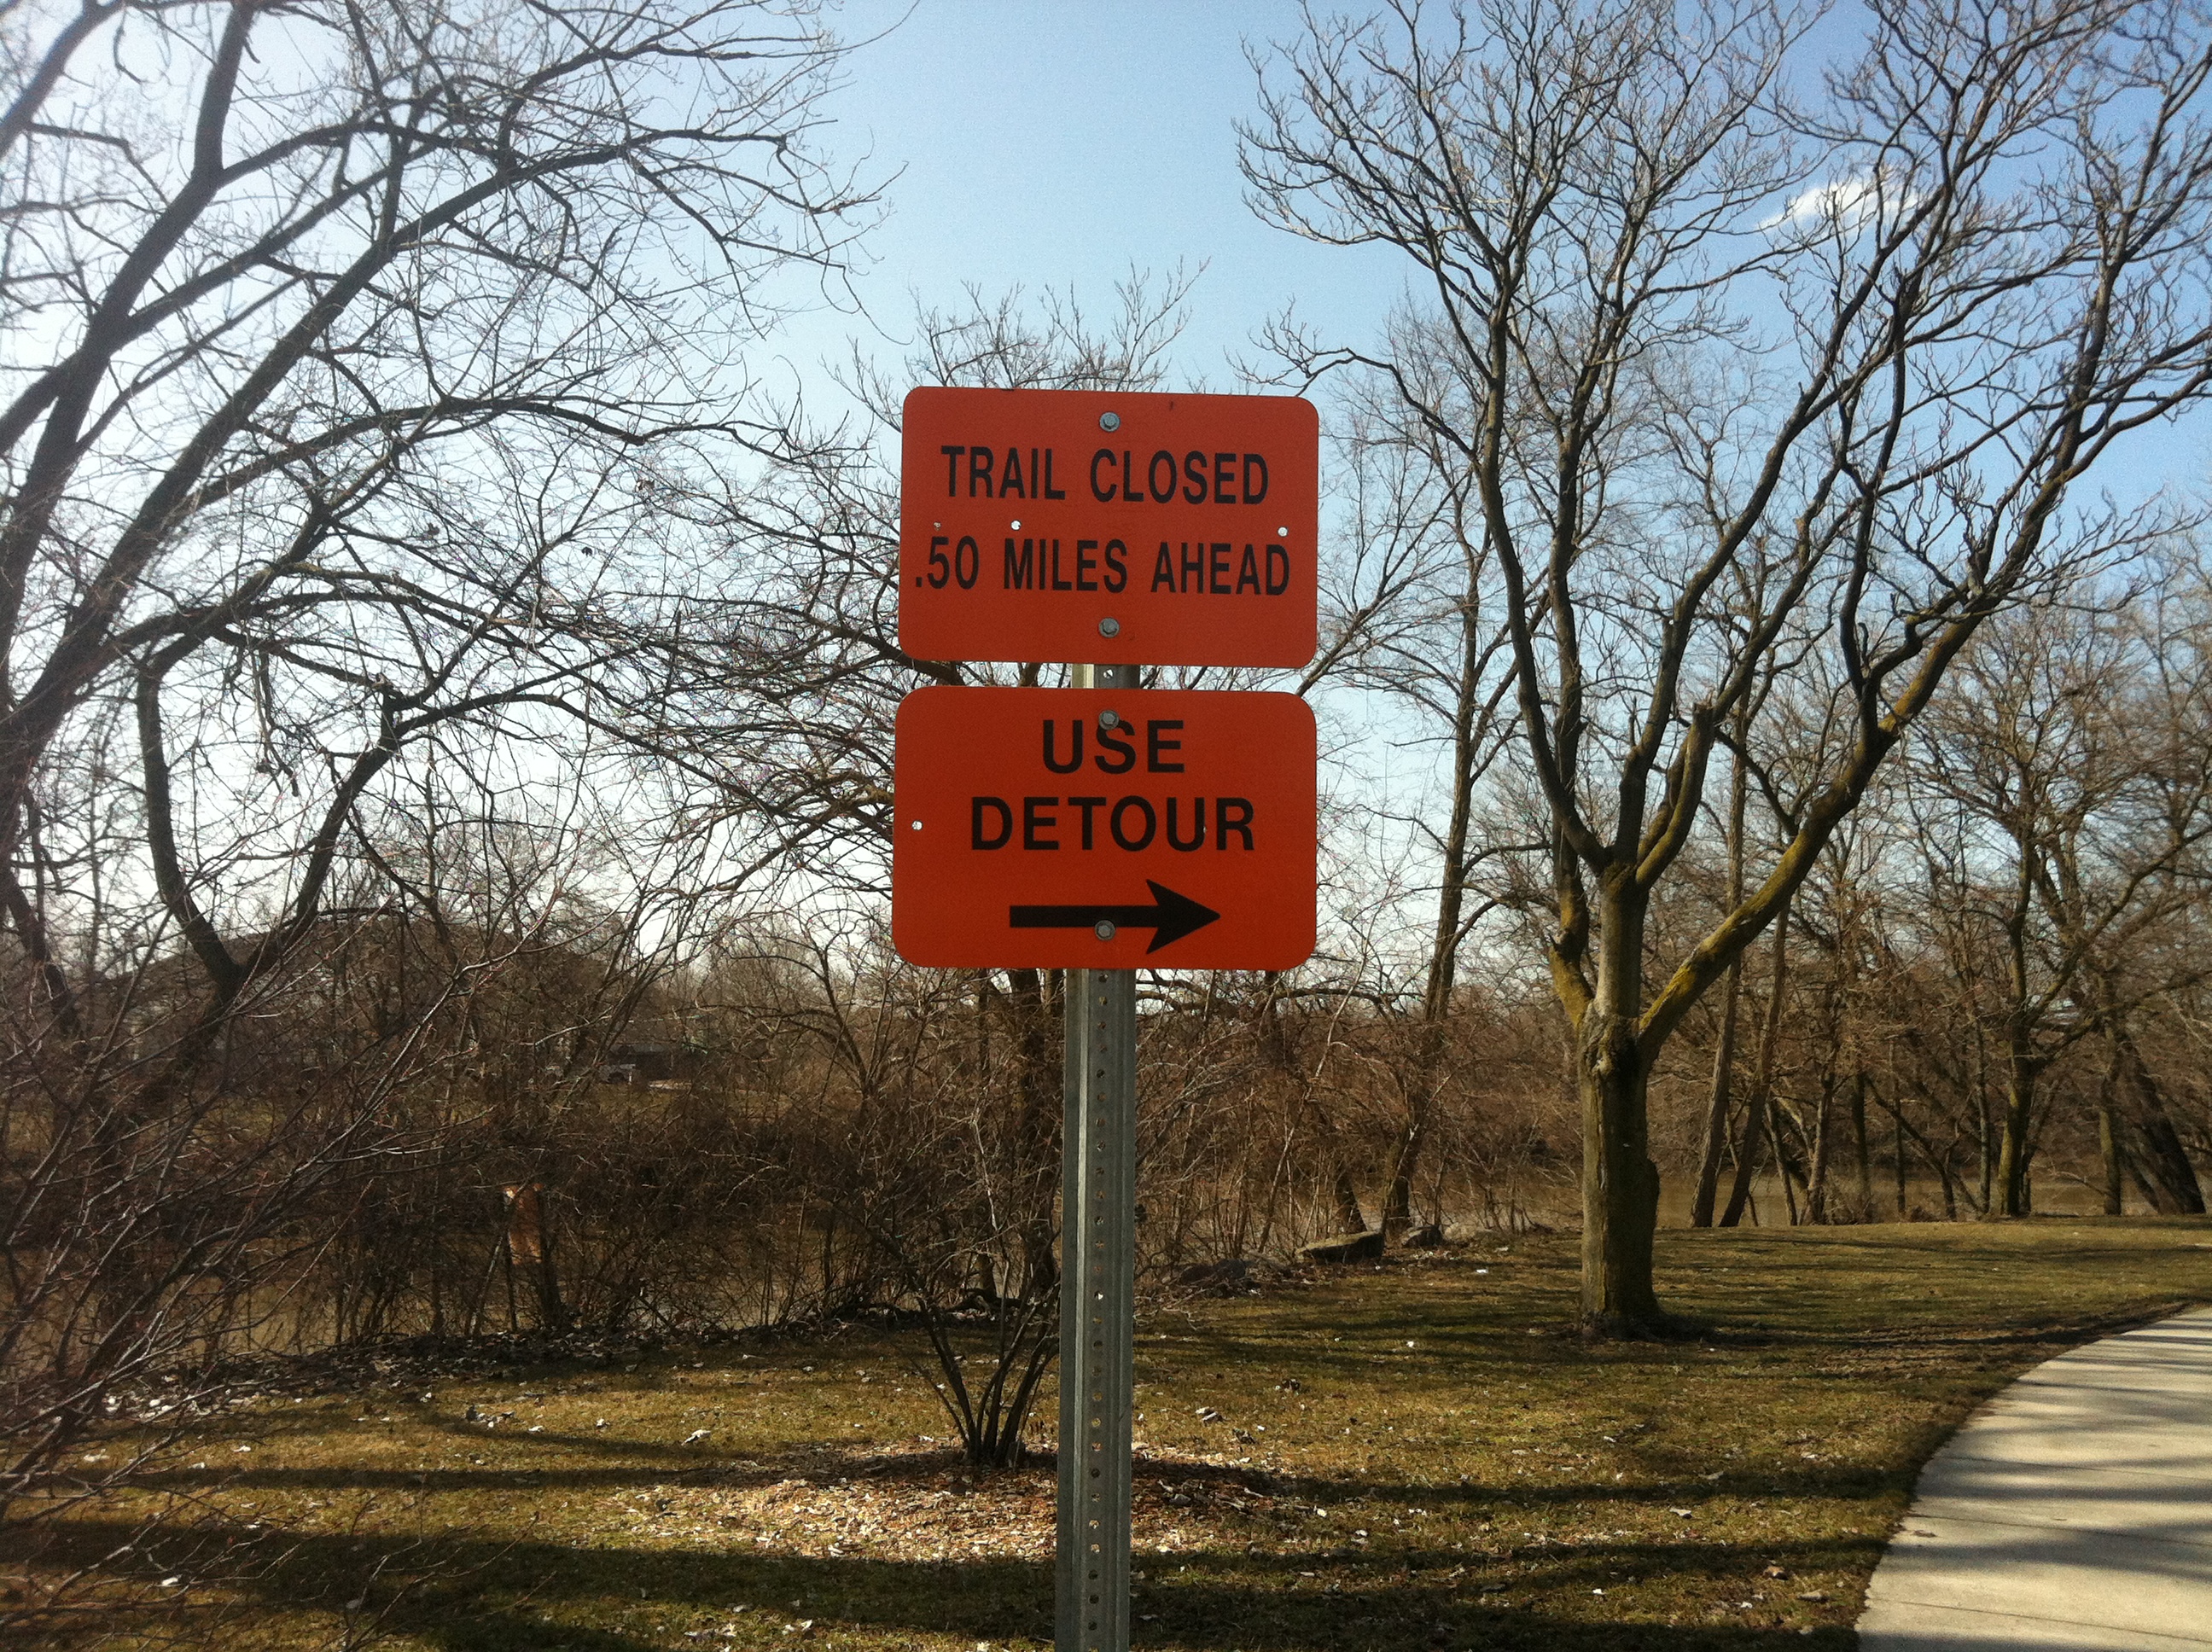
1413 1457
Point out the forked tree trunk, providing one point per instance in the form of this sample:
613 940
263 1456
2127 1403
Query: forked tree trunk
1752 1144
1754 1124
1716 1102
2009 1193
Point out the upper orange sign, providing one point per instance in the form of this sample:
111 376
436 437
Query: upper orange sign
1134 528
1103 829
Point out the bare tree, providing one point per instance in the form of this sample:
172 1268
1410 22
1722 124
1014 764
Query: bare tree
2073 749
1752 371
355 353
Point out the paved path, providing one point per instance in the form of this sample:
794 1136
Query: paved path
2073 1510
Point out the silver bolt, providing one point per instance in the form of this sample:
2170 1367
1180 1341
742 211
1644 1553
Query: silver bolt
1104 929
1106 720
1109 421
1110 627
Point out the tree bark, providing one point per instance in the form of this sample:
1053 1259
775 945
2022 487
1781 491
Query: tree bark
2162 1155
1717 1097
1746 1163
1620 1184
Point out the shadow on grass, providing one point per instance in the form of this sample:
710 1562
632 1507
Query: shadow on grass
524 1595
1662 1489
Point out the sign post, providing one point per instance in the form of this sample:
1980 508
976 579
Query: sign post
1097 1297
1095 828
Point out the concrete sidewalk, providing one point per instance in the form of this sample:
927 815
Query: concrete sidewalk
2073 1510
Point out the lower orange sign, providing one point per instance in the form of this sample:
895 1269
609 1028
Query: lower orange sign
1104 828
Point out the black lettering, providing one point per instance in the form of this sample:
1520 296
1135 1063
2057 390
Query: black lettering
1075 748
1021 575
1278 556
1035 820
975 807
951 469
1085 564
1117 741
1219 566
1117 571
1231 814
1154 764
1223 465
1164 568
1193 565
1194 471
940 569
1128 492
1051 492
1151 822
979 471
1248 573
1011 485
1058 584
1251 460
1089 806
1197 826
1103 456
967 561
1160 493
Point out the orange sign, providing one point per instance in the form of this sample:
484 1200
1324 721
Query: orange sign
1104 828
1135 528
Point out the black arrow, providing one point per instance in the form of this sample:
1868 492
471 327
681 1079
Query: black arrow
1172 917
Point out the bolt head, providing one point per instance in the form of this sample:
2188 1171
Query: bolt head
1103 929
1109 421
1110 627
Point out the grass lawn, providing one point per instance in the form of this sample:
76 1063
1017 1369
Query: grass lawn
1420 1456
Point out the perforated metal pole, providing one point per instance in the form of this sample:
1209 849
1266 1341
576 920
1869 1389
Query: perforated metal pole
1098 1292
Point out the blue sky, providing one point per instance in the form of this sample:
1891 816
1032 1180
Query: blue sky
1046 144
1051 143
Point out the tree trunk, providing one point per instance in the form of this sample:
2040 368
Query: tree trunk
2108 1149
1897 1151
1746 1163
1752 1144
1405 1159
2163 1158
2022 1070
1716 1102
1716 1098
1816 1179
1467 725
1865 1212
1620 1184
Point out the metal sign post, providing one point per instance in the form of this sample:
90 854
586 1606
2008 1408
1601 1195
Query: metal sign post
1098 1294
1076 829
